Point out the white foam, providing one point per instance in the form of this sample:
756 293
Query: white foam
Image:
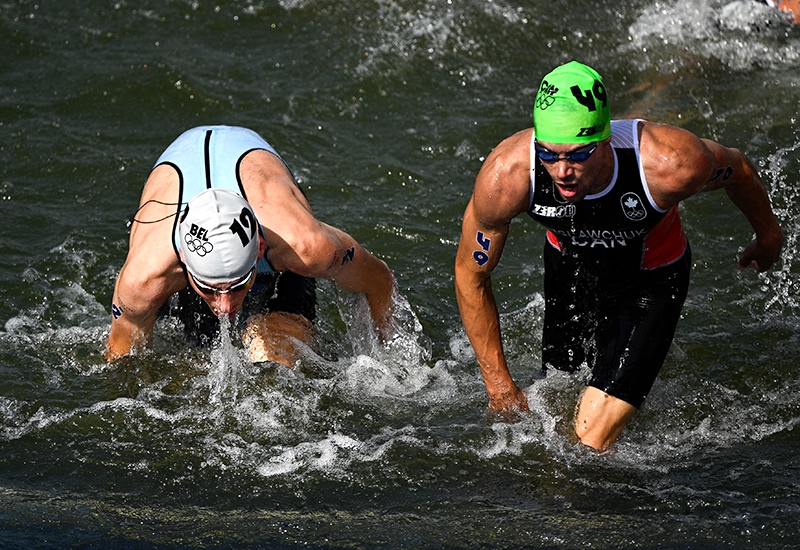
742 34
334 453
227 375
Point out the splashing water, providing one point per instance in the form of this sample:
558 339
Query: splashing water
740 33
228 377
783 282
408 345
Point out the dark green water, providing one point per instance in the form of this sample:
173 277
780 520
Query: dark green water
385 111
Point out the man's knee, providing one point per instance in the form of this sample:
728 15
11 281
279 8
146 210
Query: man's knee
600 418
274 336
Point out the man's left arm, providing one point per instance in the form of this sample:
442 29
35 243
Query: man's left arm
678 164
738 176
339 257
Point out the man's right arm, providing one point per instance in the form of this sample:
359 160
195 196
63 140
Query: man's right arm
501 193
131 324
151 272
478 253
142 286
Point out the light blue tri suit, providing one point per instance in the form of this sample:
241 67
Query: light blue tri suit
210 156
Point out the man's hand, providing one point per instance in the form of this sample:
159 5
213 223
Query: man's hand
511 400
762 253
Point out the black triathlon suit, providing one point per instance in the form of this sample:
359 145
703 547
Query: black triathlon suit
616 275
206 157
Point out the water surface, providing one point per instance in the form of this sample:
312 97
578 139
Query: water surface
385 111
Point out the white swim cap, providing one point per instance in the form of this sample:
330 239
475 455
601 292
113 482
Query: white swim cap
219 236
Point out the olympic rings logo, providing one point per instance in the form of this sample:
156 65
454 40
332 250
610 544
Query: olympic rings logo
545 96
198 246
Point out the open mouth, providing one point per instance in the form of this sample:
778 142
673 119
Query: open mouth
567 190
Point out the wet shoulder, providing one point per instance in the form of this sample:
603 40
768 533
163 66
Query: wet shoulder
504 179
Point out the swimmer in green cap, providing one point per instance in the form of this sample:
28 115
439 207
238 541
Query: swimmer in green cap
572 106
616 258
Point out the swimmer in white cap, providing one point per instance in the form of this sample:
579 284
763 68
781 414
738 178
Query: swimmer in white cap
223 228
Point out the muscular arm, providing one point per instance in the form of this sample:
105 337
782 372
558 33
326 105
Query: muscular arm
132 319
746 190
299 243
151 272
322 251
678 164
355 269
138 293
500 194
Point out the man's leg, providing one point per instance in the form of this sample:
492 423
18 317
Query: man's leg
600 418
274 336
632 342
279 316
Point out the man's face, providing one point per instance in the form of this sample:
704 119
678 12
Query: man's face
224 298
575 179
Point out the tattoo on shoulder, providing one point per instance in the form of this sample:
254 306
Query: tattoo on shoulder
725 173
116 311
348 256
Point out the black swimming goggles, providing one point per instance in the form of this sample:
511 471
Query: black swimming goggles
578 155
236 286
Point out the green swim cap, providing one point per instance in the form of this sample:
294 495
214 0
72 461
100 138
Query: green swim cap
572 106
